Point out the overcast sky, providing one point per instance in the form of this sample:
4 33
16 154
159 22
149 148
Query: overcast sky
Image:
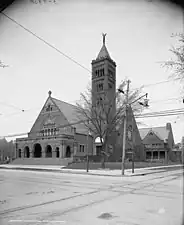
138 38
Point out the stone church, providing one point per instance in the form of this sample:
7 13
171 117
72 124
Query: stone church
57 132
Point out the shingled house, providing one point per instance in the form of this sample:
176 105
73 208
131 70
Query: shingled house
158 142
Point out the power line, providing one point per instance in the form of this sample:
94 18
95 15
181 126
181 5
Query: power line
160 115
47 43
165 100
161 82
181 110
68 57
174 112
10 105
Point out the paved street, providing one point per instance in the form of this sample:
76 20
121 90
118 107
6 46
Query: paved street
28 197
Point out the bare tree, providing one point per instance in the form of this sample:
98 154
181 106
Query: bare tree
177 64
103 117
42 1
2 64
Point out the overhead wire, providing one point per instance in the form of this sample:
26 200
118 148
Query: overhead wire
46 42
79 64
68 57
146 115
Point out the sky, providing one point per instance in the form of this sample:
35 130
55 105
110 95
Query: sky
138 39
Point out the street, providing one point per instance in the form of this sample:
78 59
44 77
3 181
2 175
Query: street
28 197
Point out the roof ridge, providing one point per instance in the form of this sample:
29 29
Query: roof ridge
63 102
152 127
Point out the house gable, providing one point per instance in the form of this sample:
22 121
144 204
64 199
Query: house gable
50 116
152 138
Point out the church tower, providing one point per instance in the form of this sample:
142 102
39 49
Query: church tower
104 78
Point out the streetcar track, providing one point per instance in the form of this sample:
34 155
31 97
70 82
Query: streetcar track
44 203
8 211
76 208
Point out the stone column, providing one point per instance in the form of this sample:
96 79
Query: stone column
151 155
94 149
166 156
43 151
53 151
75 149
63 150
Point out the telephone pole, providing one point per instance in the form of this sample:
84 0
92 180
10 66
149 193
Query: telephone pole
127 104
124 130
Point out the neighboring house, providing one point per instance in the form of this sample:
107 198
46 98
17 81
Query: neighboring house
6 150
158 142
177 152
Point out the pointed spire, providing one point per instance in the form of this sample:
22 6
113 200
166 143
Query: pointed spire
104 38
50 92
103 52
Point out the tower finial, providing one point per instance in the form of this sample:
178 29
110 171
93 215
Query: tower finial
50 92
103 35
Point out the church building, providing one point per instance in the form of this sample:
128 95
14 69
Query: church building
57 132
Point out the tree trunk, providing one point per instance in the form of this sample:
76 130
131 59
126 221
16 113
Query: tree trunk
103 161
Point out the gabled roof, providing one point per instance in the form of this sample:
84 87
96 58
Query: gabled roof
69 112
103 53
161 132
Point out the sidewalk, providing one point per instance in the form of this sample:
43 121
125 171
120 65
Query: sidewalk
99 172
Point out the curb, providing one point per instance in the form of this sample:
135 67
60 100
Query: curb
81 173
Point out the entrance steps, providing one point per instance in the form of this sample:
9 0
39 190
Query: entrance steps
42 161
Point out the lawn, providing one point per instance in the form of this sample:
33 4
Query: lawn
117 165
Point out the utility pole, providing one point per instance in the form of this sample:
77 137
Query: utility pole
87 155
87 152
127 104
124 130
133 153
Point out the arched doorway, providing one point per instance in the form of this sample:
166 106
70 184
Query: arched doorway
37 151
26 152
57 152
68 152
98 146
19 153
48 152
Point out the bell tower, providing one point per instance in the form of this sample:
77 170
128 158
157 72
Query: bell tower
104 77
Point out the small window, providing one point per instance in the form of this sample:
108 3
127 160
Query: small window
99 87
81 148
103 72
110 85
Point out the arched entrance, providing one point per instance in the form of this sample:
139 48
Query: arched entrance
37 151
68 152
19 153
57 152
48 151
26 152
98 146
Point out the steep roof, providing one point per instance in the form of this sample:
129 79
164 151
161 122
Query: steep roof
161 132
103 53
69 112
